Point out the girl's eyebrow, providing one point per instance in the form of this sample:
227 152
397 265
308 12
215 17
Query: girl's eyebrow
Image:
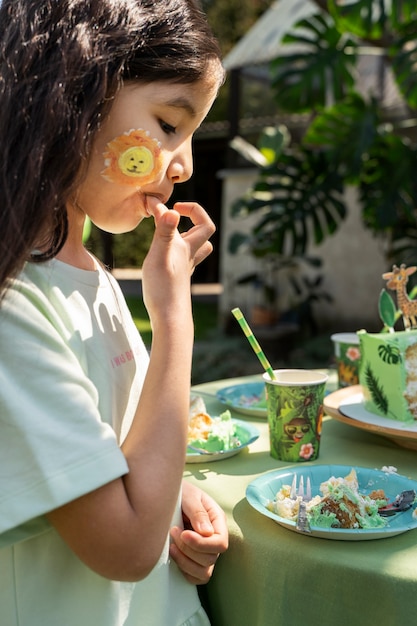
181 103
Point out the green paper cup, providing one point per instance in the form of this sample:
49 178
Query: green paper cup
347 355
295 413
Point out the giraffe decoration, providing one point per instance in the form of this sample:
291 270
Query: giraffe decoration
397 281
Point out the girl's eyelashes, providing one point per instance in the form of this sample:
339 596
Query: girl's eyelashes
167 128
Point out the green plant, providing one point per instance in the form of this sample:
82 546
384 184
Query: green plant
351 137
278 240
127 249
266 281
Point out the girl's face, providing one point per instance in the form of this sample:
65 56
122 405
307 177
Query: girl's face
170 113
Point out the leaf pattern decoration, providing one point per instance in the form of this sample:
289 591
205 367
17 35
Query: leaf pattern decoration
389 354
376 391
387 309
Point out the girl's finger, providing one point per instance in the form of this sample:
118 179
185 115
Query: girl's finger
155 207
196 214
203 252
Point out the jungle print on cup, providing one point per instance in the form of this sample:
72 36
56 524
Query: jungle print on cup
295 414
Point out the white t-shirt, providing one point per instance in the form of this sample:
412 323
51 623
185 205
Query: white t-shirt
72 366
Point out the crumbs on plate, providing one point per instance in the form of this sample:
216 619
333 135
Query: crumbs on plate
214 434
340 505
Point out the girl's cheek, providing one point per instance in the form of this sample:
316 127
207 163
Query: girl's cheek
133 159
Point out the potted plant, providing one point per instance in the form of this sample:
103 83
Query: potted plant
282 268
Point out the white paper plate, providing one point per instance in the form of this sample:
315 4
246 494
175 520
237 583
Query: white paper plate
346 405
354 407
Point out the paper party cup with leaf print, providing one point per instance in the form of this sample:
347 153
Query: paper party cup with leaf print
295 413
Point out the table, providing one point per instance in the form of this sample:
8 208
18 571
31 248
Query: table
273 576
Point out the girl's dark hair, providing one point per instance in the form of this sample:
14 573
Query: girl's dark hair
61 64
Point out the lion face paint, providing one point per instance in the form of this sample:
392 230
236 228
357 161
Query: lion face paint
133 158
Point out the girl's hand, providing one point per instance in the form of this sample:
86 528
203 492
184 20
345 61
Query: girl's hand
173 256
205 536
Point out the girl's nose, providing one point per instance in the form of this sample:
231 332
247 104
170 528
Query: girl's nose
180 168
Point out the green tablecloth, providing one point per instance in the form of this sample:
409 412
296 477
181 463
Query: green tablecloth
273 576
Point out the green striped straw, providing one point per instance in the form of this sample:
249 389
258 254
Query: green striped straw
253 342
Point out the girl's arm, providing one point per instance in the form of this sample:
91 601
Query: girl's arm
119 530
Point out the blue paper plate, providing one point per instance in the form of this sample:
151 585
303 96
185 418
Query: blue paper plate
264 488
245 432
245 398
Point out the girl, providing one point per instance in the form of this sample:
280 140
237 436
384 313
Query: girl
99 103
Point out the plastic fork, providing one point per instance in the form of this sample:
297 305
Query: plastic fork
203 451
302 523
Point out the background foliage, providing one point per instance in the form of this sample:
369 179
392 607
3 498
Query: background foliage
128 249
352 136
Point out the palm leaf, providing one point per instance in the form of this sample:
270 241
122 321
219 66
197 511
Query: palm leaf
377 393
346 131
298 200
237 240
272 142
364 18
403 12
319 71
403 54
387 188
